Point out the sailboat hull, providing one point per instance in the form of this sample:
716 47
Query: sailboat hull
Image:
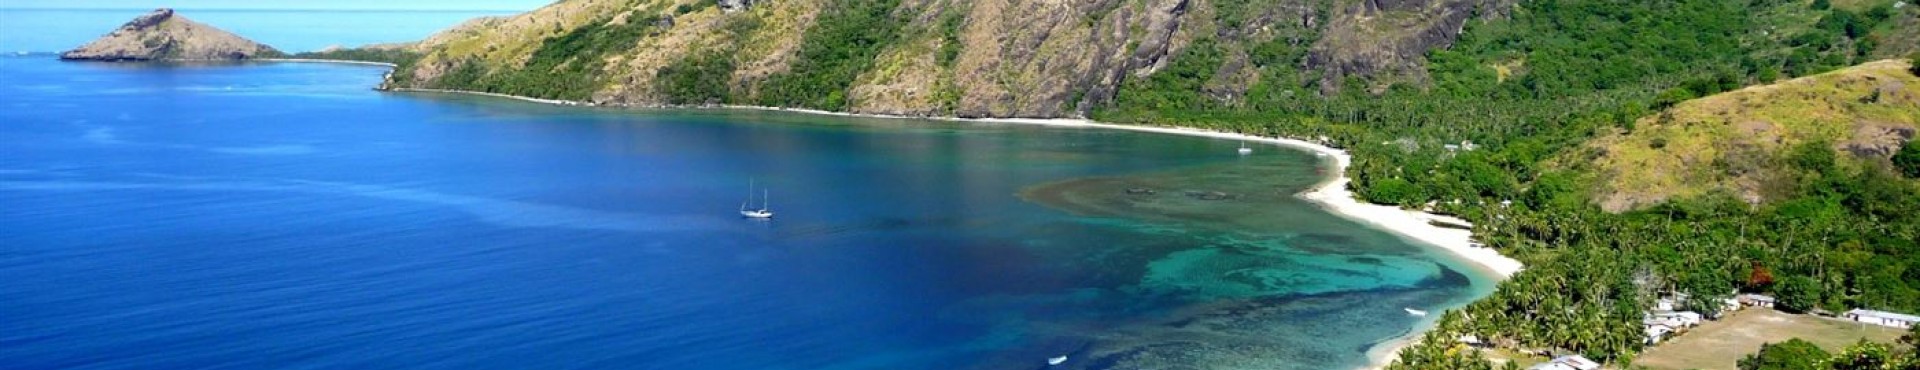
765 210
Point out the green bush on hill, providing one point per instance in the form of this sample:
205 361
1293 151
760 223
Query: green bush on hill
1913 63
842 43
697 79
1907 161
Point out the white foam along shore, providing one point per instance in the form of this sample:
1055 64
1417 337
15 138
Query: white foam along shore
1331 194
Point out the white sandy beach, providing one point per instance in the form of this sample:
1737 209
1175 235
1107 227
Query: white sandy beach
1331 194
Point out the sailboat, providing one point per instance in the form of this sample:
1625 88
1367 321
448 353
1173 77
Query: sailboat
1244 150
765 210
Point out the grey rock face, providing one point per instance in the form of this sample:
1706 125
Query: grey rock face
162 35
1355 46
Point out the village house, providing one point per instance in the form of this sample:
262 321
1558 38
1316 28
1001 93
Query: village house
1660 325
1882 318
1657 333
1756 300
1664 304
1568 362
1683 318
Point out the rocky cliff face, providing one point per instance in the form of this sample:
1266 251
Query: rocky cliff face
1391 37
986 58
162 35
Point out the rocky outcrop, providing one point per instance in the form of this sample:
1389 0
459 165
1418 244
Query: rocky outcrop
1043 59
162 35
1390 38
982 58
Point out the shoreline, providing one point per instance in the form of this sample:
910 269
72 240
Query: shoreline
1330 194
327 61
495 95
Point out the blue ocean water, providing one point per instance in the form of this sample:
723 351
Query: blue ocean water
278 215
54 30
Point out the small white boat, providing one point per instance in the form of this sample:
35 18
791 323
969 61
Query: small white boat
765 210
1056 360
1244 150
1411 311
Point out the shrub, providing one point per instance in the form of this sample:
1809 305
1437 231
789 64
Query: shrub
1793 354
1907 161
1913 63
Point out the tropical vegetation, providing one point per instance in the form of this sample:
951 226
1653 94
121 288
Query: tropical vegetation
1793 354
1796 354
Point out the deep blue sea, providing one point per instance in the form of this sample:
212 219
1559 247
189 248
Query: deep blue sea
285 216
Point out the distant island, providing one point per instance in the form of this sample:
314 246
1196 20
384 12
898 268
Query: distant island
161 35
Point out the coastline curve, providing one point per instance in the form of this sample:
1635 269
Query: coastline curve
1331 194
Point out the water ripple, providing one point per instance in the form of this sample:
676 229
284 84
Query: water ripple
502 212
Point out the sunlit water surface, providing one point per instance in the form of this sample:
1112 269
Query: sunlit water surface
286 216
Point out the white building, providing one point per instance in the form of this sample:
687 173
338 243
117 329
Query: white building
1683 318
1658 326
1756 300
1676 320
1568 362
1657 333
1882 318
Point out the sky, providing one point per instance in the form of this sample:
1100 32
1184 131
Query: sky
491 5
289 25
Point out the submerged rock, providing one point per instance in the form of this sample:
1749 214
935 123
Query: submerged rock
161 35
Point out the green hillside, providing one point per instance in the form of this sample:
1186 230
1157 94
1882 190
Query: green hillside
1743 143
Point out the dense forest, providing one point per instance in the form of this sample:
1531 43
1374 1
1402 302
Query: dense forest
1846 238
1529 88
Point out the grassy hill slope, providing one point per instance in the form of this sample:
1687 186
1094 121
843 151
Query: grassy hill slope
1741 142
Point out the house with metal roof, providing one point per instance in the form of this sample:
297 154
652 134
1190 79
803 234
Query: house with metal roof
1882 318
1568 362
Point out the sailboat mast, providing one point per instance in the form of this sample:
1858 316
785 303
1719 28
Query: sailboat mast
749 200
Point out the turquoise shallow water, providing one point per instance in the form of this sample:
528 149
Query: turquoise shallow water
286 216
